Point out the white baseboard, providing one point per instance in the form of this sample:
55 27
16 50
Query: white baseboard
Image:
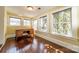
64 44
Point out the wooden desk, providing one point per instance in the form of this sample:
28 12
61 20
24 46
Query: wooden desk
22 32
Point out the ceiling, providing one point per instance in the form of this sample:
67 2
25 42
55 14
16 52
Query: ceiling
22 10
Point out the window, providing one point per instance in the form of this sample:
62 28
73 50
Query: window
26 22
35 24
14 21
42 24
62 23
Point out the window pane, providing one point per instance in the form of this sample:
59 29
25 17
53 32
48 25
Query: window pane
42 24
62 22
27 23
14 21
67 28
35 24
67 15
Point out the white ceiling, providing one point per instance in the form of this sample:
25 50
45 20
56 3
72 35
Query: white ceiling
22 10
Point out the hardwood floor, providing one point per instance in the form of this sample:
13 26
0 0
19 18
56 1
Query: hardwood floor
50 47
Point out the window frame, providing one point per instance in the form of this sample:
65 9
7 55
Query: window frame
33 24
53 32
41 22
15 24
26 20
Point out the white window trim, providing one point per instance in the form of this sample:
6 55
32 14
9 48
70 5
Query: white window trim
74 22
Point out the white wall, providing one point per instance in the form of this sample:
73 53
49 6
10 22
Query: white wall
2 24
